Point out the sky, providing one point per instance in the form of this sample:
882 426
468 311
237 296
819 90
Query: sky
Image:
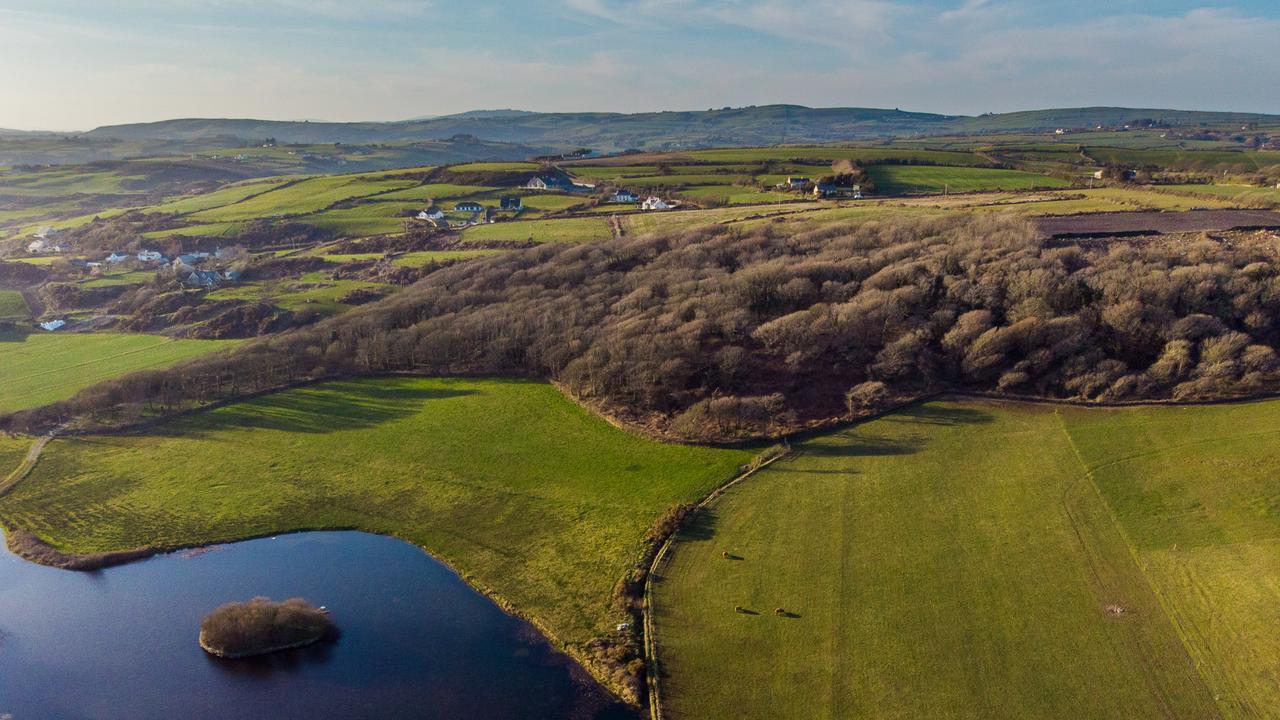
79 64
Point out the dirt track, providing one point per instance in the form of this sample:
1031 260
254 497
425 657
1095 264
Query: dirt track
1156 223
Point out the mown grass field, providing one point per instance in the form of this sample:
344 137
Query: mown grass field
519 488
1195 492
966 560
39 369
907 179
307 196
12 305
1235 192
314 292
218 198
575 230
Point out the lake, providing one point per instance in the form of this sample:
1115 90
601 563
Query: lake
416 641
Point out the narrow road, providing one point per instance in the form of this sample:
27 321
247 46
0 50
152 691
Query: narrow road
28 464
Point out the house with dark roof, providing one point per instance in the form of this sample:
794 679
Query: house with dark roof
623 196
203 278
511 202
468 206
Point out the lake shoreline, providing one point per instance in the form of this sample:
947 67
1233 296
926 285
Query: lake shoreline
30 547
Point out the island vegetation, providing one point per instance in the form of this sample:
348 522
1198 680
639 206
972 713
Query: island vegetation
261 626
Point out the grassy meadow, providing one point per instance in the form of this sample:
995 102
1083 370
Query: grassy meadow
964 560
915 179
520 489
12 305
39 369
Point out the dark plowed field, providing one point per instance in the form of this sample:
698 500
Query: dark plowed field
1156 223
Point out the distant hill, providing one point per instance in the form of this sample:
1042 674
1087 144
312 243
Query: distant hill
729 127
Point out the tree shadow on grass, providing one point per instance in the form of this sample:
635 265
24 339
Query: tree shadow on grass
851 445
701 527
318 409
948 415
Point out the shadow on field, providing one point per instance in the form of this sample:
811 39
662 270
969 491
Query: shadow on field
320 409
846 445
941 415
701 527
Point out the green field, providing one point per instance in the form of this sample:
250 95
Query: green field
314 292
300 198
42 368
520 489
966 560
572 230
12 305
1247 193
905 179
218 198
134 277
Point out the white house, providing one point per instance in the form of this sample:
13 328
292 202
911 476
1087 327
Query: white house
53 325
539 182
654 203
37 246
431 214
116 257
468 206
623 196
150 256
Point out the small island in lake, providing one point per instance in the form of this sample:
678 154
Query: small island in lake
260 626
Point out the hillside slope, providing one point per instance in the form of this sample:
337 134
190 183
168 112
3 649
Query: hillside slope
757 125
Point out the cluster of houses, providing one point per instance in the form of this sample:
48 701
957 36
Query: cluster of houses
185 266
479 213
821 188
44 243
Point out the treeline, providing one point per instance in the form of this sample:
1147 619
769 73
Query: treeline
724 332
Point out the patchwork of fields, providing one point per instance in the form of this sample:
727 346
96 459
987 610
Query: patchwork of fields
989 560
39 369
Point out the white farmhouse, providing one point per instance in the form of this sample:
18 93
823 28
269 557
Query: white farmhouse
431 214
150 256
654 203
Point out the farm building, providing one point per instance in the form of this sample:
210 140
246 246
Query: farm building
468 207
623 196
511 202
655 203
825 190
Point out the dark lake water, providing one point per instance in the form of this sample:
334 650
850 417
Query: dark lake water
416 641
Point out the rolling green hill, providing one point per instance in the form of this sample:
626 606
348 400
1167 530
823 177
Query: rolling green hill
727 127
